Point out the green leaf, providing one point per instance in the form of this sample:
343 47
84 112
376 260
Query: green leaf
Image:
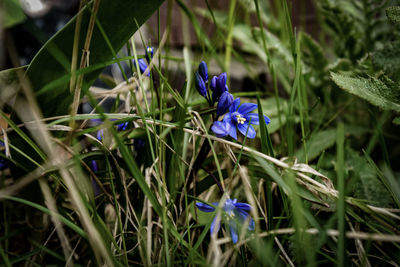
396 120
13 13
318 142
393 14
9 84
313 54
118 18
366 182
388 58
383 94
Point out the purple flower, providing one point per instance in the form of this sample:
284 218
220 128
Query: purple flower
200 85
234 213
203 71
218 86
240 118
225 101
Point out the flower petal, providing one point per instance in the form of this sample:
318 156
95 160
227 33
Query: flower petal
215 225
221 81
235 105
203 71
142 66
243 216
267 120
232 132
243 206
225 101
247 107
213 84
233 231
251 133
100 134
252 118
221 128
252 225
200 85
204 207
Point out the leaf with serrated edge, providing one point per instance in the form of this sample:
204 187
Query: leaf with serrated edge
371 89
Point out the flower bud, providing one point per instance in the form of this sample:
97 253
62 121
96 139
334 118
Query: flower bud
221 82
218 85
149 51
203 71
200 85
225 101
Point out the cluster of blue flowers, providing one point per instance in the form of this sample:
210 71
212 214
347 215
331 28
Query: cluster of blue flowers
234 214
142 63
237 117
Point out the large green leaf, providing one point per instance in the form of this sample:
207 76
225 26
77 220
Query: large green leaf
118 18
382 93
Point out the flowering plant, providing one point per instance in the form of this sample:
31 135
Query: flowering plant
234 214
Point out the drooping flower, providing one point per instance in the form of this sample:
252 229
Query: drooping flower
234 213
203 71
218 86
200 85
240 118
225 101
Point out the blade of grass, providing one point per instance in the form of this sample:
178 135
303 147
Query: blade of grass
341 253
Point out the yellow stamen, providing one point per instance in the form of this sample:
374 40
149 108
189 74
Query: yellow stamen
240 119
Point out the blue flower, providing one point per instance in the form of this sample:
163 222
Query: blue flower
240 118
218 86
234 213
225 101
200 85
203 71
